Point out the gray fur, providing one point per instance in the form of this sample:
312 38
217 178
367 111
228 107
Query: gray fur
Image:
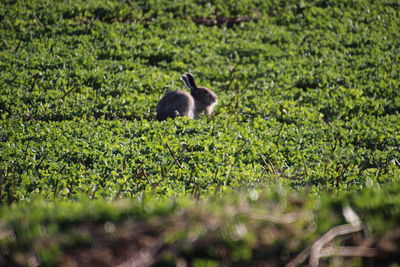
181 103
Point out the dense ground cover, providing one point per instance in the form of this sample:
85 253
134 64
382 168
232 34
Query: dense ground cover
308 98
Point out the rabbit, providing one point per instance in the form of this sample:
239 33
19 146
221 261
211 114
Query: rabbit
181 103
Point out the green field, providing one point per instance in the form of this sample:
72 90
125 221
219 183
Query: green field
307 123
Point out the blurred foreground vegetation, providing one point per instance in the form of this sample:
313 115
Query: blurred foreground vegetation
253 228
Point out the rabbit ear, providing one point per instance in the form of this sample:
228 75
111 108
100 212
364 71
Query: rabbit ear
186 82
191 81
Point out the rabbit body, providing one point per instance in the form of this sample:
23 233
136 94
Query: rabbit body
176 103
181 103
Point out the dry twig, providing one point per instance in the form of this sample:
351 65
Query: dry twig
322 249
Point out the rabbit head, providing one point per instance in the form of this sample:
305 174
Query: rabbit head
204 98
